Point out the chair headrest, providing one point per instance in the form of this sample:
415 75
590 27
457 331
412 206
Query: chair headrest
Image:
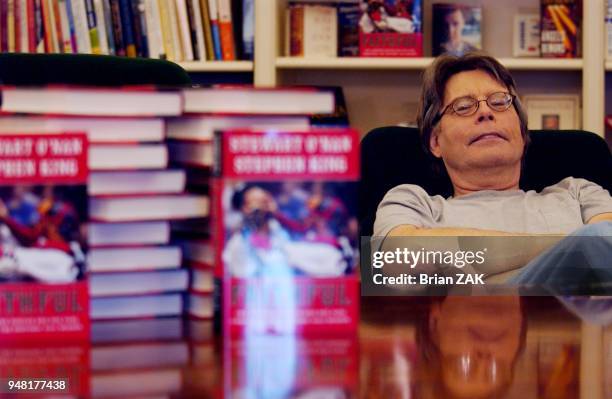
394 155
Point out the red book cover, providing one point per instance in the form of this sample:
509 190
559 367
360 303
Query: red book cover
560 30
286 231
391 28
43 207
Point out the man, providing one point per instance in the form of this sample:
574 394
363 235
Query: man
471 121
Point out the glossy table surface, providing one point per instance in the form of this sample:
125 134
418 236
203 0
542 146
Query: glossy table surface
456 347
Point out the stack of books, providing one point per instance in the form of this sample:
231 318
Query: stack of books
133 270
191 146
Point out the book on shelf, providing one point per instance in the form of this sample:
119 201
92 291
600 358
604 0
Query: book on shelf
560 29
127 156
348 29
391 29
178 30
285 230
43 207
313 30
456 29
526 34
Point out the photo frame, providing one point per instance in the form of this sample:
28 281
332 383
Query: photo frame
552 112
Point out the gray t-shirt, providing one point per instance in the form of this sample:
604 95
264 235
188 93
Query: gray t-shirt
558 209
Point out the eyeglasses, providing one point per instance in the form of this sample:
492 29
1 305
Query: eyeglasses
466 106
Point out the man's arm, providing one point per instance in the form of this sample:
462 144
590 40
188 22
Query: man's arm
602 217
502 255
410 230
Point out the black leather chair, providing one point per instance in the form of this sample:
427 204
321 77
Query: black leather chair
88 70
393 155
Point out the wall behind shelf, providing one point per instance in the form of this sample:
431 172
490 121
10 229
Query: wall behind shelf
380 98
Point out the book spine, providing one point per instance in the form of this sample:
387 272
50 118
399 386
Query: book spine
48 28
560 29
108 22
166 29
126 25
31 26
137 26
71 26
213 14
10 26
57 22
80 26
154 30
175 31
65 27
195 29
248 29
93 28
197 12
101 24
115 9
24 36
226 30
210 51
39 23
3 26
348 30
184 29
143 28
296 31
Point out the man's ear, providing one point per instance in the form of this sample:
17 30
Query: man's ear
434 145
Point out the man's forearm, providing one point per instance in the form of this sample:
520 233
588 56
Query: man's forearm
513 252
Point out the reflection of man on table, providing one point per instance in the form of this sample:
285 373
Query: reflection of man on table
472 123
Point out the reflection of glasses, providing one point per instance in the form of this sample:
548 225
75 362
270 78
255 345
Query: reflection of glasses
466 106
471 367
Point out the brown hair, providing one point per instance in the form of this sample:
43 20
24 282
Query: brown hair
437 75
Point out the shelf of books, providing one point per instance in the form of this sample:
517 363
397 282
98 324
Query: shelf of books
533 64
217 66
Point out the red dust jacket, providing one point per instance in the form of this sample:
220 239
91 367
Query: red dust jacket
286 230
43 210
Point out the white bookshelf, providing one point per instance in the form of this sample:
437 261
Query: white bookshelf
527 64
373 86
217 66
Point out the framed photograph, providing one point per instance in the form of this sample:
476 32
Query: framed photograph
552 112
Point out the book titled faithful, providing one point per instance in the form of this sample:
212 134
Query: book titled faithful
286 230
43 205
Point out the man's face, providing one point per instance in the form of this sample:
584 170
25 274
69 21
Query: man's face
485 139
478 348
